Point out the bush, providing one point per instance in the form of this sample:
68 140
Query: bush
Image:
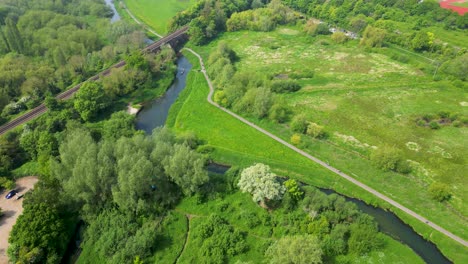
339 37
7 183
296 139
299 124
434 125
315 130
439 192
386 158
285 86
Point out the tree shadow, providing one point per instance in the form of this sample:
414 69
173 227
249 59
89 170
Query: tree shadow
6 215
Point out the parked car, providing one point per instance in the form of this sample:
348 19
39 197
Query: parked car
11 194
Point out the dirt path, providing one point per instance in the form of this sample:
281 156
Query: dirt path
11 209
322 163
189 217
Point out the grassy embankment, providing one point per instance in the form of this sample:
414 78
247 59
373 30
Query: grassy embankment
236 143
157 13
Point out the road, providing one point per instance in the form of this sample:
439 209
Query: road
322 163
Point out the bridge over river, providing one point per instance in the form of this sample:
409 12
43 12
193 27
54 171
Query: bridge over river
170 39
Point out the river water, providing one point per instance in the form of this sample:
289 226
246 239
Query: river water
154 114
115 16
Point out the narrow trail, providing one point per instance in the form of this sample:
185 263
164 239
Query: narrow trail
189 217
322 163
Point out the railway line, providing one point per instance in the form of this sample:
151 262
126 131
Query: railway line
39 110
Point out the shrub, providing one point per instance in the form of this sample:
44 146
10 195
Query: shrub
439 192
339 37
285 86
315 130
296 139
457 123
386 158
434 125
299 124
7 183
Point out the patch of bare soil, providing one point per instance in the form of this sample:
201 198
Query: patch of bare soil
11 209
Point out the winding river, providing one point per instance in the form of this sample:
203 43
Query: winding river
155 114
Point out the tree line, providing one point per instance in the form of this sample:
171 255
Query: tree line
46 46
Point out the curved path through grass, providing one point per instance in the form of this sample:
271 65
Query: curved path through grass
310 157
322 163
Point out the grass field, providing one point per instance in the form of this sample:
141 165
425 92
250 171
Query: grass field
236 143
157 13
366 99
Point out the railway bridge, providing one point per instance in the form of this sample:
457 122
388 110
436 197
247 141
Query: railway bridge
173 39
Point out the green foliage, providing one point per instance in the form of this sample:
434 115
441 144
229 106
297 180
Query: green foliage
339 37
373 37
118 238
389 158
457 67
121 124
38 236
259 181
285 86
89 100
185 168
261 19
315 130
7 183
293 189
218 240
299 249
439 191
363 238
299 124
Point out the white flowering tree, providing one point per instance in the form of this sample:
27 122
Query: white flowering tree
259 181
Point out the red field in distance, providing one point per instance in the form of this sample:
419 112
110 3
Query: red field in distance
448 4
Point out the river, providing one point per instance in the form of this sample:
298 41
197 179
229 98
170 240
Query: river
154 114
115 16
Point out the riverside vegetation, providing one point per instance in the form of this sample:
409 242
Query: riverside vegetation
148 198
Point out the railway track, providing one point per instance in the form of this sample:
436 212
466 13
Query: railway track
39 110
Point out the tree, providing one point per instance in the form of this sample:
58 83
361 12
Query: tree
293 189
7 183
388 158
422 41
89 100
185 168
259 181
301 249
39 235
373 37
439 191
121 124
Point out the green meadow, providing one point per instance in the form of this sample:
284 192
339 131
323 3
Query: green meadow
157 13
238 144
